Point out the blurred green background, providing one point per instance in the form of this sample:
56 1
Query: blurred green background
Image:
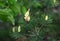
29 20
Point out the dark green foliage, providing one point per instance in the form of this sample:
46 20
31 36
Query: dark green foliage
39 28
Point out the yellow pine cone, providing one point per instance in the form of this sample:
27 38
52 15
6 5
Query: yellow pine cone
19 29
46 17
27 18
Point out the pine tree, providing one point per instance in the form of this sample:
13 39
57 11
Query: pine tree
30 20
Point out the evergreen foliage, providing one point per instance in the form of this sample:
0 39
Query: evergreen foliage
30 20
